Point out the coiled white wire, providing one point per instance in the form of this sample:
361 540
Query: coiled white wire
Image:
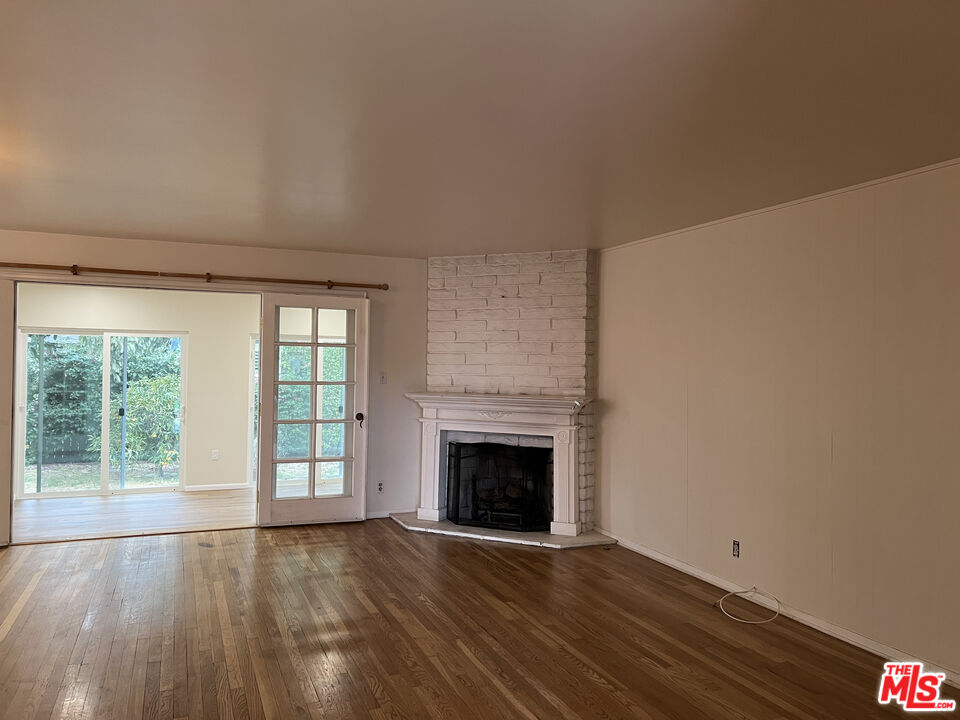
751 591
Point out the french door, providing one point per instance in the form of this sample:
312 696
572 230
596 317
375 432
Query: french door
313 404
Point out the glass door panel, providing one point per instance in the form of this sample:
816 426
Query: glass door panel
145 412
314 392
63 413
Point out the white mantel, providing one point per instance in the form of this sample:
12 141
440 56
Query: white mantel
556 417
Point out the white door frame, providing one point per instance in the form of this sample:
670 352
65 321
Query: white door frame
312 509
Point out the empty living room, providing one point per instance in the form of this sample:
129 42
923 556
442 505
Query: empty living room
479 359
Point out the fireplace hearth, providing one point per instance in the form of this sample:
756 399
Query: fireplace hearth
500 486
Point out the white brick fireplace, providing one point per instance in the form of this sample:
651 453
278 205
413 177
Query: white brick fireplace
507 419
518 328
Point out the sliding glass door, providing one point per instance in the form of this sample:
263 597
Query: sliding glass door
145 411
100 413
63 412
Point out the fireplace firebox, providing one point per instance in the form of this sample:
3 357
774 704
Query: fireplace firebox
500 486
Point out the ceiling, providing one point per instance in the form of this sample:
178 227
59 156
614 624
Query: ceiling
432 127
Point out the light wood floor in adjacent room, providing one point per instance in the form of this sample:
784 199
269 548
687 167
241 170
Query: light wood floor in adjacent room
45 519
370 621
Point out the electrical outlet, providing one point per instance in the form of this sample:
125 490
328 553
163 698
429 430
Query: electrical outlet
380 487
736 548
383 378
214 454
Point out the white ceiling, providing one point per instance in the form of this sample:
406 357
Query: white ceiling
428 127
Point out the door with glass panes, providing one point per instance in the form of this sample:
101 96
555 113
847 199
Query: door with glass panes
313 404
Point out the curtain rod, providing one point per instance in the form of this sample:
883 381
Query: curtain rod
206 277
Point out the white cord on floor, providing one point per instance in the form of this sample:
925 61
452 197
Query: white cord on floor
751 591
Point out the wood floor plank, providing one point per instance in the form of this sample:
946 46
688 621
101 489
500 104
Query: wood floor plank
72 518
369 621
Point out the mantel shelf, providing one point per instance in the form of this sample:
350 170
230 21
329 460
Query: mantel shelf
500 403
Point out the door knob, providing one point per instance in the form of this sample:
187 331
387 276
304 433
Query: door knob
360 418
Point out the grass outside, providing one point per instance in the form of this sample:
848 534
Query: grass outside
80 477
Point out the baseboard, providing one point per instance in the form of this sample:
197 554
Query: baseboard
225 486
877 648
375 514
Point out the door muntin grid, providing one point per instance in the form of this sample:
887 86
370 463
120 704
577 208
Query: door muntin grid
315 397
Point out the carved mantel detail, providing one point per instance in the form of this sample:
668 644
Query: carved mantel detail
495 414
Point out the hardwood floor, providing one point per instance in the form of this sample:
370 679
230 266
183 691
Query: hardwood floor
46 519
370 621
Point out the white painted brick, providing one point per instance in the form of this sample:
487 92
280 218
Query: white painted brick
518 279
563 277
560 323
541 335
525 347
553 289
488 335
458 325
488 358
456 303
535 381
435 283
539 267
439 379
472 270
514 370
441 272
569 255
556 359
575 347
560 392
568 371
518 302
573 383
441 294
489 314
522 325
569 301
487 292
438 358
483 280
455 347
552 312
458 282
456 369
476 380
440 315
444 336
575 266
522 390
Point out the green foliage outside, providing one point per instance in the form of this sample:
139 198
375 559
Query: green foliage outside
294 401
72 395
73 388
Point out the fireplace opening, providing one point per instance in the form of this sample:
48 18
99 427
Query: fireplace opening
500 486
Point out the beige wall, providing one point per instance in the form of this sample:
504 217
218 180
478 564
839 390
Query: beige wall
397 342
217 327
792 379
